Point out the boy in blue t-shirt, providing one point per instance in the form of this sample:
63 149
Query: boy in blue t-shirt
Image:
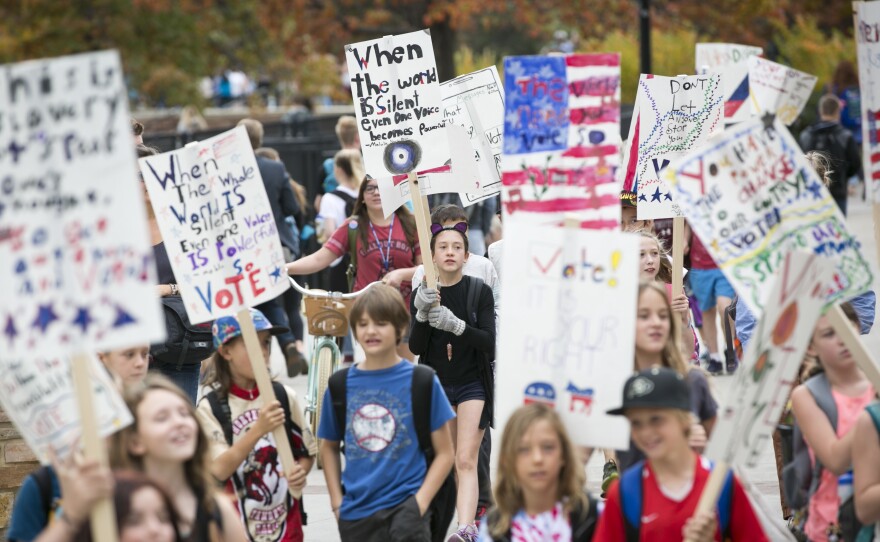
388 484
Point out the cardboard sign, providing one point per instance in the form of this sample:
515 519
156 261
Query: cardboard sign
772 360
774 88
476 102
217 225
676 115
76 266
752 197
867 31
575 350
459 174
562 138
38 395
398 105
731 60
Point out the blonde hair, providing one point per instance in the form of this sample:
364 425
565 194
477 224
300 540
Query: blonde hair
671 355
196 469
351 163
508 491
346 130
822 164
664 274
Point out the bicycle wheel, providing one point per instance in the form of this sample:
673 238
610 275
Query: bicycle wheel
324 366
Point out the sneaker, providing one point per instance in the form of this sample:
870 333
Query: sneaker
731 362
714 366
296 362
468 533
481 513
609 474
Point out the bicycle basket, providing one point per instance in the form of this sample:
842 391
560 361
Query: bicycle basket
328 317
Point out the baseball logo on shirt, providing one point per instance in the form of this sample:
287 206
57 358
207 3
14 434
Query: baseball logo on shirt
374 427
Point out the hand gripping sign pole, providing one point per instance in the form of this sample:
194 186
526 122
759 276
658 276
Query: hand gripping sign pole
267 393
103 514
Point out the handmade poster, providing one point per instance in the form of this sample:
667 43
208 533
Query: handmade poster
458 174
867 22
772 360
575 349
676 115
774 88
476 102
397 102
38 396
731 60
217 225
76 266
561 139
752 197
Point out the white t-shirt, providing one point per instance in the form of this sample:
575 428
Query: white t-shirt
495 255
333 207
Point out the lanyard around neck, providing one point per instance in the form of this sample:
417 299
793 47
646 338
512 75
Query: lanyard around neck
386 256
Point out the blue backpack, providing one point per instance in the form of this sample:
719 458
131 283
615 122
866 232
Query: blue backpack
631 502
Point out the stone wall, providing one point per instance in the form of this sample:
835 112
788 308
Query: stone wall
16 462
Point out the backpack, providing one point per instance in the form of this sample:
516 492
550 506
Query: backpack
583 522
222 413
352 269
800 478
185 343
631 502
329 183
348 199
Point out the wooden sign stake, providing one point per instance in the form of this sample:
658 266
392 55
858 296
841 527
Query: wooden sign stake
712 489
267 394
677 255
423 225
103 515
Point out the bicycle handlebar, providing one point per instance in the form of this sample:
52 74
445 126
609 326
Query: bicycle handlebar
316 294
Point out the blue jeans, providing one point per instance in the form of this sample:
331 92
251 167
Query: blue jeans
274 311
187 377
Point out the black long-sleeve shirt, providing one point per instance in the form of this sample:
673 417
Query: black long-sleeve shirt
468 350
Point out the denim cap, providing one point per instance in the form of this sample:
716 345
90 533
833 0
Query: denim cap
226 328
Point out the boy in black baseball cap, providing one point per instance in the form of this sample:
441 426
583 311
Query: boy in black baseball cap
657 499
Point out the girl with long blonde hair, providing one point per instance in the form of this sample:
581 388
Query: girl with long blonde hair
539 491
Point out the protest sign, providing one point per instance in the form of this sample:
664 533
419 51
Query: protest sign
772 360
867 31
676 114
752 197
217 225
561 139
576 349
38 396
476 102
778 89
731 61
397 103
76 266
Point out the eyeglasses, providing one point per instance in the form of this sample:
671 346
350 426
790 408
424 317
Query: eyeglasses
371 188
460 227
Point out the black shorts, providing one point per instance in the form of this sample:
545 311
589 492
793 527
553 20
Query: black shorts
459 393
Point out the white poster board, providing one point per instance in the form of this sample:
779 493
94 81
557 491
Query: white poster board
76 266
568 327
752 197
746 422
476 102
38 396
676 115
731 60
397 102
867 31
774 88
217 225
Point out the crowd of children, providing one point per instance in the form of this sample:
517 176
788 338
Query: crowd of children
406 446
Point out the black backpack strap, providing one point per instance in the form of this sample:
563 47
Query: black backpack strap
348 199
422 391
338 386
222 413
43 478
583 522
474 285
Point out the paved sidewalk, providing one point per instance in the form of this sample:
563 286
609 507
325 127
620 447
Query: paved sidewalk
322 524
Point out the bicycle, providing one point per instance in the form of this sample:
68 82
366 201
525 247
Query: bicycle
327 317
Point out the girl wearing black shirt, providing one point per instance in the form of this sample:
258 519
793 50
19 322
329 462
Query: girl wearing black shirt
459 346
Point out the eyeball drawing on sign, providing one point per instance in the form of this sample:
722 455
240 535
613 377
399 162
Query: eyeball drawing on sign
402 156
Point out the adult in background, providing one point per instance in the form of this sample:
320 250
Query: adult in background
284 204
336 206
387 248
349 139
837 144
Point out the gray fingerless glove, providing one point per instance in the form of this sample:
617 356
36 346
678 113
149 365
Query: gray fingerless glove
443 319
424 300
